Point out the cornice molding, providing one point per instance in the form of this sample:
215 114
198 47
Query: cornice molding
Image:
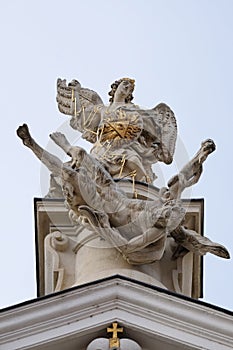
145 311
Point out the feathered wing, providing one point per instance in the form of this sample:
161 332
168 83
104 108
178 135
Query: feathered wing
167 121
160 128
65 96
88 100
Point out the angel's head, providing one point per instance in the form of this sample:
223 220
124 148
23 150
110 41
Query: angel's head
123 87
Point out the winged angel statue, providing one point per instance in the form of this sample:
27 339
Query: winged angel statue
126 140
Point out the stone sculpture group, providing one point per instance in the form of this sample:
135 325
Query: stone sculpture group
127 141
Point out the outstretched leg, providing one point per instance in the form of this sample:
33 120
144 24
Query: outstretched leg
198 244
191 172
52 162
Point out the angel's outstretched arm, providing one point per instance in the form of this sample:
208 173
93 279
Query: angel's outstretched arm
53 163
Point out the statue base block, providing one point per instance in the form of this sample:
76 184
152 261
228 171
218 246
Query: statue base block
69 255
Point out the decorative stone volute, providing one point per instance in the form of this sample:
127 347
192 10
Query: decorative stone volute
59 241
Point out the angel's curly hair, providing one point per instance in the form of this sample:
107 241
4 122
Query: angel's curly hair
114 87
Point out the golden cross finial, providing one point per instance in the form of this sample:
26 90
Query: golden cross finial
114 341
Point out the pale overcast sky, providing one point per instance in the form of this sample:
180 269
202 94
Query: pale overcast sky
179 52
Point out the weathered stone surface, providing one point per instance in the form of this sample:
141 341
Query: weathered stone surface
88 257
103 344
127 141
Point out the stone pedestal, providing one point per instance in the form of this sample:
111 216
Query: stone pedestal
68 255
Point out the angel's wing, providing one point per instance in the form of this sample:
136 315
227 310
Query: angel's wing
159 124
88 99
65 96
